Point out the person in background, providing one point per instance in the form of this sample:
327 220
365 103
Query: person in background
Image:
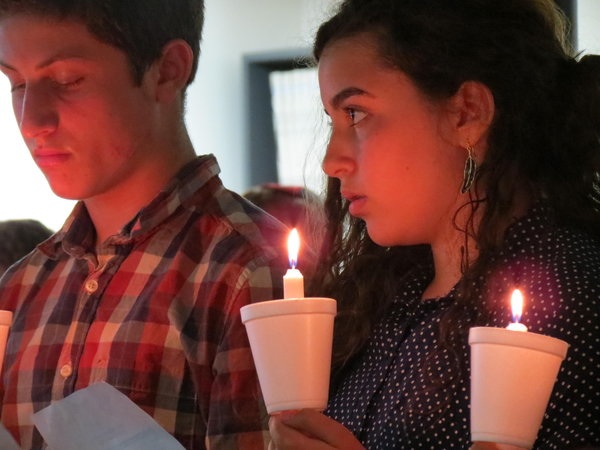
18 237
297 207
142 286
463 162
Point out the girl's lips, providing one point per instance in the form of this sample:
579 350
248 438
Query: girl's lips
356 203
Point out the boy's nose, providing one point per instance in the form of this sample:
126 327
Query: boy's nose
35 113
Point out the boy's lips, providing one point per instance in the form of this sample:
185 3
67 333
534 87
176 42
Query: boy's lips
45 157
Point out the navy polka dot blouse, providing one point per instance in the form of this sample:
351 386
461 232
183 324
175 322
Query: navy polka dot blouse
406 392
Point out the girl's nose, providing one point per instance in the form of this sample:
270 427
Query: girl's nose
338 161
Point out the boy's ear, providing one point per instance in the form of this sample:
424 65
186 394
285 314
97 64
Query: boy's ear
173 69
473 110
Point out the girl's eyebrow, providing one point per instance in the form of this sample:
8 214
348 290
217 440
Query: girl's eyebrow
346 93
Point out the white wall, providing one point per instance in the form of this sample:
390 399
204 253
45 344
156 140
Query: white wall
588 26
216 101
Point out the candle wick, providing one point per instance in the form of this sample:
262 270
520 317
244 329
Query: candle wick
516 318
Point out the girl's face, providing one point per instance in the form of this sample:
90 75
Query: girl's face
395 152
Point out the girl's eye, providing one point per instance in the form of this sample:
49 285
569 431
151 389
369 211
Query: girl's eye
355 115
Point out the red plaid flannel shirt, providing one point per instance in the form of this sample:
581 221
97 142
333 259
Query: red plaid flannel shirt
159 321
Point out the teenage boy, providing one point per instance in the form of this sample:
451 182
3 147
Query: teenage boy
143 284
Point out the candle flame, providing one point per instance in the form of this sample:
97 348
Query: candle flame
293 247
516 303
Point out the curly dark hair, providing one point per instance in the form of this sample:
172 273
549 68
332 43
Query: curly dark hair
544 140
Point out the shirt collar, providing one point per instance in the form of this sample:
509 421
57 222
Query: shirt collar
77 235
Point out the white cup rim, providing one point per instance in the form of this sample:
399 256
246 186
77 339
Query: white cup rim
524 339
286 306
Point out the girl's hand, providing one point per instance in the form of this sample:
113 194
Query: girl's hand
309 430
493 446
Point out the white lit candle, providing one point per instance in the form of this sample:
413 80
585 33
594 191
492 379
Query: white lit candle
516 303
293 282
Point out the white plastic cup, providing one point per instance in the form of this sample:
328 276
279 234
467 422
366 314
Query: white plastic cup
5 323
512 376
291 342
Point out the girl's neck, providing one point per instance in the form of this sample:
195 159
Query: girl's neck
447 265
453 249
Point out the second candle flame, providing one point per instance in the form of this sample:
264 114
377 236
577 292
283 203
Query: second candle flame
293 247
516 304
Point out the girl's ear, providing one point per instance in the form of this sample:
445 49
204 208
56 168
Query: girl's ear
473 110
173 70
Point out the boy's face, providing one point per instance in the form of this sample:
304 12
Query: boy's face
88 127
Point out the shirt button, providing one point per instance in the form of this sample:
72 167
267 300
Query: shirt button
66 370
91 286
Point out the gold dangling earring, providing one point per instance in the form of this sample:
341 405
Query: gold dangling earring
470 169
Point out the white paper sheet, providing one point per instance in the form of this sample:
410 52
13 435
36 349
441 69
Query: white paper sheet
100 417
6 440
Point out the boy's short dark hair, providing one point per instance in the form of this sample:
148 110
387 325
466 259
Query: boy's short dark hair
140 28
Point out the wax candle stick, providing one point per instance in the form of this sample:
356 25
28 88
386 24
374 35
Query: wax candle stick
293 281
516 303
